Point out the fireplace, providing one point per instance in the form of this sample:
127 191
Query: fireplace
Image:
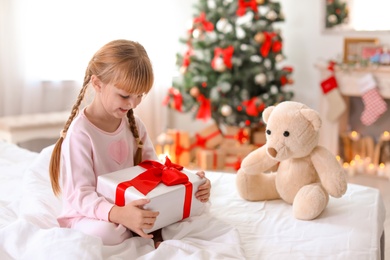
360 148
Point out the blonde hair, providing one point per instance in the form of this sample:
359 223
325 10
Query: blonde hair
123 63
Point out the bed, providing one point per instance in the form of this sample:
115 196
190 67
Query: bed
350 228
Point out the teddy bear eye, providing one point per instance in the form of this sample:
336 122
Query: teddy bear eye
286 133
268 132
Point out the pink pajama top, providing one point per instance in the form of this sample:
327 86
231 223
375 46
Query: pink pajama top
88 152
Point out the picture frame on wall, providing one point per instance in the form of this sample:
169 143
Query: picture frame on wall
358 49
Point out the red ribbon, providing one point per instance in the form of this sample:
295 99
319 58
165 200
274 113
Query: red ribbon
179 148
226 54
201 141
269 43
204 111
241 136
215 157
168 173
242 5
206 25
236 165
177 99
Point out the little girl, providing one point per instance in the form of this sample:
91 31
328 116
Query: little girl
104 137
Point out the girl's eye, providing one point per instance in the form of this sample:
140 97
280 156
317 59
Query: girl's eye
124 97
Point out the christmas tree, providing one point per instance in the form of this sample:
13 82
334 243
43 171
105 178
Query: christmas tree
230 70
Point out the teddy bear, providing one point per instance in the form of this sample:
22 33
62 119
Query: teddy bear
291 165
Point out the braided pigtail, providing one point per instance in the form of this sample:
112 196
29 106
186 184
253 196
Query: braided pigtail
55 160
134 130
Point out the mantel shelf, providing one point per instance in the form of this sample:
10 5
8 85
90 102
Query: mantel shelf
348 79
348 84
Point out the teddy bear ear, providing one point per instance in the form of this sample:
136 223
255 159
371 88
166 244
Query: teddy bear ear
267 113
313 117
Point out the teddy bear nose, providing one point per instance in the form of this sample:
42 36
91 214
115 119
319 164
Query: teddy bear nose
272 152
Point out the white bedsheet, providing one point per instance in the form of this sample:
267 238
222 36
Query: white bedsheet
350 227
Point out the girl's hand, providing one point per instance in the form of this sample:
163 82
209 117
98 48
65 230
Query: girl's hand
203 193
134 217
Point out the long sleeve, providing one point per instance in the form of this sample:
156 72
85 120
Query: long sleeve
88 152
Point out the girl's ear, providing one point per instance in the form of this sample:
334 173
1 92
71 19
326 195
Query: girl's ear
96 83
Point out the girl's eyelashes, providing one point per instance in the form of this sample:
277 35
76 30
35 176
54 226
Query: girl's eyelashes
135 96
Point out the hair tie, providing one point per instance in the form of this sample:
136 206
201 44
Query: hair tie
139 143
63 134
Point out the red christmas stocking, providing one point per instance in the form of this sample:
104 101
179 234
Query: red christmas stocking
336 103
374 105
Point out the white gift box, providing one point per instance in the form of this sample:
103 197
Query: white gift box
168 200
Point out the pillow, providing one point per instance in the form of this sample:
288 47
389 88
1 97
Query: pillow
39 205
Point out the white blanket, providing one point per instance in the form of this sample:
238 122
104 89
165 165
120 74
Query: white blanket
30 229
349 228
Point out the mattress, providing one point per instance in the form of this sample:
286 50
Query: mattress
351 227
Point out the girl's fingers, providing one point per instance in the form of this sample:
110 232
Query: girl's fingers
201 174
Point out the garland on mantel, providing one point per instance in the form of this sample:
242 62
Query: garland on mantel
336 13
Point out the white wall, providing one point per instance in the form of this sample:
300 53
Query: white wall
305 43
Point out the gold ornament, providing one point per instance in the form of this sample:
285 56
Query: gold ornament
259 2
194 92
259 37
183 69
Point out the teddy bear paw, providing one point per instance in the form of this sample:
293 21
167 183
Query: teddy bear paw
309 202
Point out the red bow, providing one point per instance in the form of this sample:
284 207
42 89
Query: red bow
204 111
331 65
177 98
186 58
168 173
242 5
207 26
252 109
268 44
288 69
226 54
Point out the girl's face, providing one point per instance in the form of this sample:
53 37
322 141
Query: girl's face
118 102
